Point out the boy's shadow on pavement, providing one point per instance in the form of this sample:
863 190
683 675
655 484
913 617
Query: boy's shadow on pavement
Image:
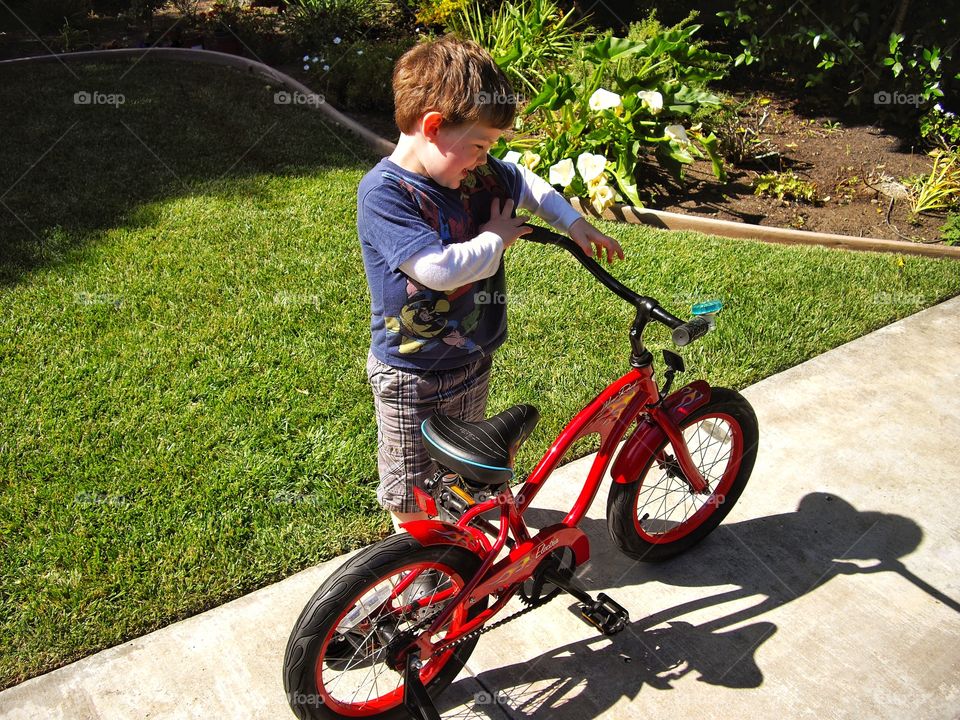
777 559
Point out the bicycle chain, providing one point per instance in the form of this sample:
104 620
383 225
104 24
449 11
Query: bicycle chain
487 628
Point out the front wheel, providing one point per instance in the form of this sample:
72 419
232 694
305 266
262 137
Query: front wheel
659 516
338 659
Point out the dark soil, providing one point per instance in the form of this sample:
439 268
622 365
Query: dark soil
859 172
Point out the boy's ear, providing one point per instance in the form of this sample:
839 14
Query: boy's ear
430 125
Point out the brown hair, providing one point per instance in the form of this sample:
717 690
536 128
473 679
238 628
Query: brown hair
455 77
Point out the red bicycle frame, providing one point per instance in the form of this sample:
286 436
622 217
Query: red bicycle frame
633 397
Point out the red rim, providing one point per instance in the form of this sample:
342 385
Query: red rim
381 687
665 509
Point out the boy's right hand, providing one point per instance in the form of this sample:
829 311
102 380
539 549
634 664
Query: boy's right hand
503 223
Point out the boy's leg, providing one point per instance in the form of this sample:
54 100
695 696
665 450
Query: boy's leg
403 400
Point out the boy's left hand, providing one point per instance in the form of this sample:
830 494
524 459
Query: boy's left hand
593 242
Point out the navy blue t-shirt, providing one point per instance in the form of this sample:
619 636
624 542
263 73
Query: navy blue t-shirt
400 213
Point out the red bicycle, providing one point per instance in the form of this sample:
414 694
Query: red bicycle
397 622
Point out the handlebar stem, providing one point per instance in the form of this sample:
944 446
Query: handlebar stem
640 357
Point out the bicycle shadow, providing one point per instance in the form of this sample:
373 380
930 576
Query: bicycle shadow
772 560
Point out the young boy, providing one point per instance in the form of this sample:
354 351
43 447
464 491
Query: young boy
434 220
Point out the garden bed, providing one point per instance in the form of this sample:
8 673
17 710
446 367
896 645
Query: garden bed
856 169
856 172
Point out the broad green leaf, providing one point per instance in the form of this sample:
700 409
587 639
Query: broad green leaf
546 95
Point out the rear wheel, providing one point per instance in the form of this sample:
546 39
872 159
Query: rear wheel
337 659
659 515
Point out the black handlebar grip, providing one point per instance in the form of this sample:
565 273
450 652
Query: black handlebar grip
690 331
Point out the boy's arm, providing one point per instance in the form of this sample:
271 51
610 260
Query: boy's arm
448 267
396 229
455 265
539 197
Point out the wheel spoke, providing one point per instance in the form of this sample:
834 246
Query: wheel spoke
362 680
665 504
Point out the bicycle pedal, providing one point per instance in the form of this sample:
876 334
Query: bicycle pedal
607 615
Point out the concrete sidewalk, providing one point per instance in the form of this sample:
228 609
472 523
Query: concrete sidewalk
831 591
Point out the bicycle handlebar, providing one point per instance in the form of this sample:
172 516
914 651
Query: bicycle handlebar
684 333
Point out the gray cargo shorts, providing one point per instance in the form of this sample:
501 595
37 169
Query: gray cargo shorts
403 399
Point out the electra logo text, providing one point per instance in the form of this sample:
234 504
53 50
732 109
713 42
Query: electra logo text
547 547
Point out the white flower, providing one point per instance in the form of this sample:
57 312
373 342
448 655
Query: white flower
316 59
938 107
601 197
676 132
596 182
530 160
306 58
604 100
359 52
306 67
512 156
337 41
652 100
562 173
326 68
591 166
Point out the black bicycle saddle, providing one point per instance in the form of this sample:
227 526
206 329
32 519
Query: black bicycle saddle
480 451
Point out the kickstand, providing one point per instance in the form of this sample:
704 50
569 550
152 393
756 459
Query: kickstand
415 697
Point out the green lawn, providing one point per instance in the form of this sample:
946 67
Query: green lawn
183 409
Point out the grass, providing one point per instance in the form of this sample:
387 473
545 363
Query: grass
183 409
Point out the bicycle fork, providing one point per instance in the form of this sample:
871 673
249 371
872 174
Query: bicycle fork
691 473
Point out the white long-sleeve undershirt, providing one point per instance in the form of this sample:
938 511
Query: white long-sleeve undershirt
452 266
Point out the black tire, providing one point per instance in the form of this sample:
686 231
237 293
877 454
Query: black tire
314 657
722 438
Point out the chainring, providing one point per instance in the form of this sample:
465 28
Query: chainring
536 590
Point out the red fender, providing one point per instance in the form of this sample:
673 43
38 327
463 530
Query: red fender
648 436
438 532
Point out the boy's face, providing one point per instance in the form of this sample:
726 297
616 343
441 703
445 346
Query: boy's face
452 151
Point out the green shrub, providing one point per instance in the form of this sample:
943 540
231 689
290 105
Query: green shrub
439 12
314 22
785 186
43 16
529 39
897 62
335 70
940 188
618 100
940 128
674 52
950 231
